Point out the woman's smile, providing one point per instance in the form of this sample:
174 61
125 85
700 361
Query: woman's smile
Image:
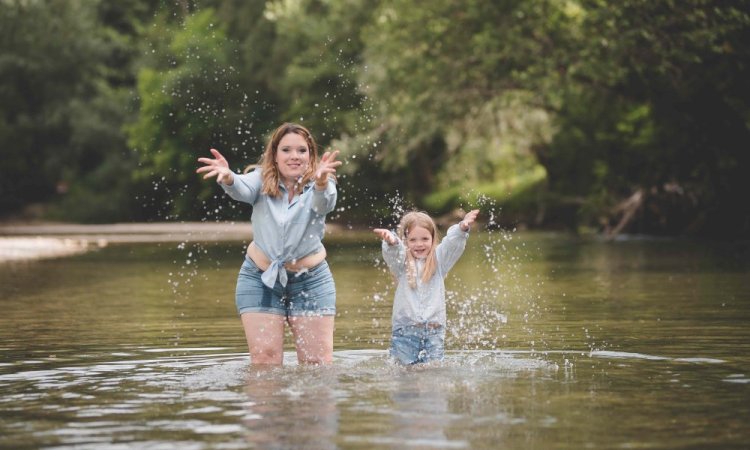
292 157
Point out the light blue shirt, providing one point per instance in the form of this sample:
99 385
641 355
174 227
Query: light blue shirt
285 231
425 303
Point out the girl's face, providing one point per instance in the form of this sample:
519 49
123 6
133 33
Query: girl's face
419 242
292 157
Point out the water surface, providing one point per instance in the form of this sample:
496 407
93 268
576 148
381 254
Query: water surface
554 342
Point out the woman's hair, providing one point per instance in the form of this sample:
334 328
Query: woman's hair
408 222
267 162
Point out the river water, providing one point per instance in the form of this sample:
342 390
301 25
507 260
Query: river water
553 342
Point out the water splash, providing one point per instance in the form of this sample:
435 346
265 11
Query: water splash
494 294
497 302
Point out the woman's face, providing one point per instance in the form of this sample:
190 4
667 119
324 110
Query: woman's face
419 242
292 157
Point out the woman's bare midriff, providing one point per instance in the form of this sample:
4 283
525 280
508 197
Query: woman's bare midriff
307 262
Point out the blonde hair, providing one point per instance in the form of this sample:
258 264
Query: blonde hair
408 222
267 162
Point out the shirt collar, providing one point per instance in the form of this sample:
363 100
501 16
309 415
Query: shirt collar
309 184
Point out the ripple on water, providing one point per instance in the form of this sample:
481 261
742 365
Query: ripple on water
149 401
738 378
629 355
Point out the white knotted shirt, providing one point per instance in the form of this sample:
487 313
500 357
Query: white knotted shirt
285 231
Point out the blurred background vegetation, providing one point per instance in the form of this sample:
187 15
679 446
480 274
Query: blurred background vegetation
585 115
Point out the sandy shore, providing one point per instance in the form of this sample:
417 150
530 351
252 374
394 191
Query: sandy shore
21 241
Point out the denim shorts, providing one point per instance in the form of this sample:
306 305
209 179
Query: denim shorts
416 344
307 293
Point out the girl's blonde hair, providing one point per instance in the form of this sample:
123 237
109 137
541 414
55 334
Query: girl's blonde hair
267 162
408 222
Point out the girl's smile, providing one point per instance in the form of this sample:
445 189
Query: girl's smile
419 242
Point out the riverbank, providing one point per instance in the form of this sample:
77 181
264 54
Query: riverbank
29 241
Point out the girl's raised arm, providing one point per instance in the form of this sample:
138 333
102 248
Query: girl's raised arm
385 235
468 220
452 246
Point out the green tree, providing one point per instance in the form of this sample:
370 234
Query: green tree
66 73
317 58
50 55
190 101
320 47
226 77
455 109
636 109
656 113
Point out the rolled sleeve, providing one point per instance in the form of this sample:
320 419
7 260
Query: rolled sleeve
246 187
324 201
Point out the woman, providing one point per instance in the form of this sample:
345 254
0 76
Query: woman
285 277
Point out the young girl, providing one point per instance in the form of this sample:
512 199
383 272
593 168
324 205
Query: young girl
420 263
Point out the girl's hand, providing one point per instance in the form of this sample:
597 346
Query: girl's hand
217 167
326 166
469 219
385 235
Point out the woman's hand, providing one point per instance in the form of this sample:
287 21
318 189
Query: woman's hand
385 235
326 166
217 167
469 219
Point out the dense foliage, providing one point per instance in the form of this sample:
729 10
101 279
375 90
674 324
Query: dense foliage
628 116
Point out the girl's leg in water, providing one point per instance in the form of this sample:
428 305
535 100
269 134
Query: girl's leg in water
405 345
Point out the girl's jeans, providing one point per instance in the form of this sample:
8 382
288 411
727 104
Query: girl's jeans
418 343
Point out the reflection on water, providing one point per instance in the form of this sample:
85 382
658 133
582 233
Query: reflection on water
552 343
291 408
220 398
475 399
